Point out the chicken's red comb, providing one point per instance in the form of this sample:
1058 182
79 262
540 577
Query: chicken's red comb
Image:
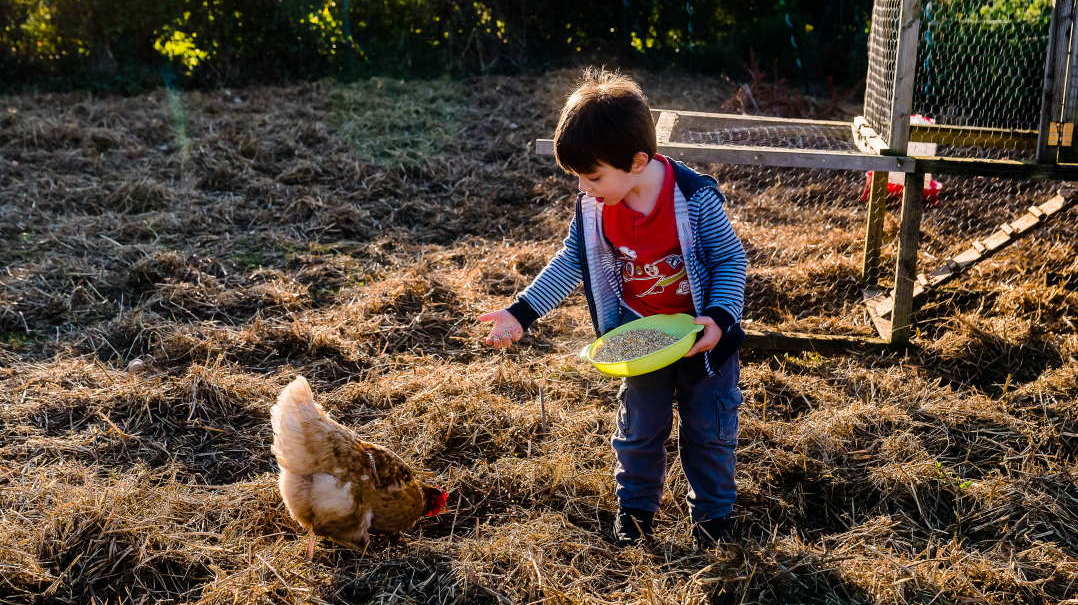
439 505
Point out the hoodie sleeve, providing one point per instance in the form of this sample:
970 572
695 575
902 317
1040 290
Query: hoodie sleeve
553 284
724 257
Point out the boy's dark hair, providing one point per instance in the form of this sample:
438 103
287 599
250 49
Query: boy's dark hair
606 119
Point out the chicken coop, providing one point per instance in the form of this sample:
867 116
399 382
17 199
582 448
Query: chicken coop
966 133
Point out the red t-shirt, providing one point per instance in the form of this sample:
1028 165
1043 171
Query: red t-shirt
649 254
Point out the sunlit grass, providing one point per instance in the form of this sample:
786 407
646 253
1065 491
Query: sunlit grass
391 122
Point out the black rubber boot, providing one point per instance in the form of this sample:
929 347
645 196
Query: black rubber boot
632 525
707 533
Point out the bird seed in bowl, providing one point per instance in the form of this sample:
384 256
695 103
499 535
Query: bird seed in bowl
632 344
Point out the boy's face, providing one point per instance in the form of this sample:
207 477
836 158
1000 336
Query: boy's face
610 185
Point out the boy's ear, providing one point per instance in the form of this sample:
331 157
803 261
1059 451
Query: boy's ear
640 162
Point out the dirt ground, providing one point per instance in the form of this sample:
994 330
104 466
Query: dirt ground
229 240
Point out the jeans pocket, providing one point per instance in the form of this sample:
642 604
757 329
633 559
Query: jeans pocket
729 402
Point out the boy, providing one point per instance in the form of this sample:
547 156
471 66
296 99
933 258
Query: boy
649 236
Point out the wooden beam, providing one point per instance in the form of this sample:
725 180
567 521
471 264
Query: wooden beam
787 158
877 209
841 160
1070 103
1055 75
742 120
762 340
909 235
974 136
873 297
909 35
1000 168
866 138
771 156
664 126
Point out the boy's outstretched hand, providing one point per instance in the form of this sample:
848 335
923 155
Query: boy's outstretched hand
708 338
505 331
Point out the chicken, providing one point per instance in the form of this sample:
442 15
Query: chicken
337 485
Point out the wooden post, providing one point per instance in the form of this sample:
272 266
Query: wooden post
906 265
909 35
1055 76
909 22
1070 96
877 206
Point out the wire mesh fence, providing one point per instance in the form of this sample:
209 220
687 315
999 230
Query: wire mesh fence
804 229
979 75
882 58
804 233
831 138
977 94
981 66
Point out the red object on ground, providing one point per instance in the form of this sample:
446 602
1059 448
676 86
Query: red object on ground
930 192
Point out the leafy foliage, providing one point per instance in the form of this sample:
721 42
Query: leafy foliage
119 44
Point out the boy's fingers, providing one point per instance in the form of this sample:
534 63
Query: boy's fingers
488 316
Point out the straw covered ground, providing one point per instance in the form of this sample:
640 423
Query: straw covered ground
171 260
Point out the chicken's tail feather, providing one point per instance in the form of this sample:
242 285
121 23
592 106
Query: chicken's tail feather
298 427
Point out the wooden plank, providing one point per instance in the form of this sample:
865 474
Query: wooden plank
909 235
771 156
877 209
1055 66
873 297
664 126
787 158
905 71
1000 168
866 138
764 340
742 120
1060 134
974 136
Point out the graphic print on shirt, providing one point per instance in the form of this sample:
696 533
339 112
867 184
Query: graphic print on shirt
665 272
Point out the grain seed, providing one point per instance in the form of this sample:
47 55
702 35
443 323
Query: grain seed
633 344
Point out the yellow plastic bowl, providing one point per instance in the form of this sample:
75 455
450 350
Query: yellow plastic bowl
680 326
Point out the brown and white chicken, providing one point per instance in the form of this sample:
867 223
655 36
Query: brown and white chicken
337 485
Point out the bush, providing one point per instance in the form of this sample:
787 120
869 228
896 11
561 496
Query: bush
121 44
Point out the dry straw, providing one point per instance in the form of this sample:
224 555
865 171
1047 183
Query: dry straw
285 242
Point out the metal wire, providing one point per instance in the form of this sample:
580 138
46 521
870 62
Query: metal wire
834 138
982 66
882 59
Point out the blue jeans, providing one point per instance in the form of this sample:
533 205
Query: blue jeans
707 409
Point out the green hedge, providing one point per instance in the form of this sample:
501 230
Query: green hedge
127 44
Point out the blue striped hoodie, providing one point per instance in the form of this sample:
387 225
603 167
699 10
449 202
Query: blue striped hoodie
714 262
